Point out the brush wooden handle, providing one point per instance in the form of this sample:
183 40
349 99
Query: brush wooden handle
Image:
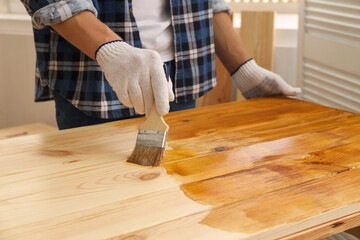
154 122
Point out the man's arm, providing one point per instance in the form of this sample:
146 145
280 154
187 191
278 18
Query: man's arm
130 71
126 68
252 80
85 32
228 44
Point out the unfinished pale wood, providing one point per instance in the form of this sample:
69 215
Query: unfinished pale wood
266 165
99 138
154 122
24 130
257 33
329 228
106 203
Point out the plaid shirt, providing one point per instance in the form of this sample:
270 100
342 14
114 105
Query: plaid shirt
80 80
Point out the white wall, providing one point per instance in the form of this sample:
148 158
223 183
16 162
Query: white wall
285 46
17 64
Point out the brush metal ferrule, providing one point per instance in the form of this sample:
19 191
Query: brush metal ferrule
151 138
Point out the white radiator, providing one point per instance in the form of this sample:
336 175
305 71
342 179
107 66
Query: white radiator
329 53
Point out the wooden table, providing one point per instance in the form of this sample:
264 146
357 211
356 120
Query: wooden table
257 169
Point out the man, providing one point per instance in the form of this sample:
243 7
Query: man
116 69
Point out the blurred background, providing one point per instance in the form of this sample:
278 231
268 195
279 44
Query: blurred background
312 44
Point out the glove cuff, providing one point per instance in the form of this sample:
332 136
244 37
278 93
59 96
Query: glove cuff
105 48
246 75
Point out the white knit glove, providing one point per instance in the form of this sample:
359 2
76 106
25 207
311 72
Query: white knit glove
136 75
254 81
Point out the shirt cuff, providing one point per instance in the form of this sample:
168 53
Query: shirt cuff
221 6
60 11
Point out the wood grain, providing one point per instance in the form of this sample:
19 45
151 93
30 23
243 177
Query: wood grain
270 216
257 33
24 130
256 169
323 230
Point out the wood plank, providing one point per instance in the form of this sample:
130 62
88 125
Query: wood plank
53 191
327 229
218 140
66 146
257 33
256 154
211 148
333 141
119 128
270 216
97 133
297 203
110 218
24 130
77 151
252 113
204 141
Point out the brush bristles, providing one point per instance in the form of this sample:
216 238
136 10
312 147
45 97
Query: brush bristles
146 156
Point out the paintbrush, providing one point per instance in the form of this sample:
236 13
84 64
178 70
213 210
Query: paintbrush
151 140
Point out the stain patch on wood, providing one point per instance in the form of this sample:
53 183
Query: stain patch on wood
234 179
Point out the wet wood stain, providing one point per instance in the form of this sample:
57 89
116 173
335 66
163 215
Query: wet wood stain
272 168
287 205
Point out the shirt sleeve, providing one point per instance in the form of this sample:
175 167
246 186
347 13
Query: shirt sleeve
220 6
48 12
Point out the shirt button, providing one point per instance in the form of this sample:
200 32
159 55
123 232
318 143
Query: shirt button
130 9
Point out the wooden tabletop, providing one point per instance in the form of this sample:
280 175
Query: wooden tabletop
257 169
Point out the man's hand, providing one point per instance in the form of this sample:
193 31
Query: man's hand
254 81
137 76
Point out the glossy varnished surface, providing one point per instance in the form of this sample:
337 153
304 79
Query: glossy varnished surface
257 169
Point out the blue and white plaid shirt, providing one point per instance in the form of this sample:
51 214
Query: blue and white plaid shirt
62 67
